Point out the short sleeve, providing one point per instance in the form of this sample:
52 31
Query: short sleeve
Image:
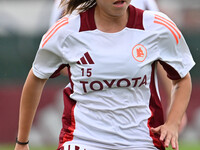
49 57
46 63
174 53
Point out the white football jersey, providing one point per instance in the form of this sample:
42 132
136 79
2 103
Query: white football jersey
112 98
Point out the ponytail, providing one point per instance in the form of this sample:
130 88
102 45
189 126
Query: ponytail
81 5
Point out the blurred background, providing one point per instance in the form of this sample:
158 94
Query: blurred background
22 24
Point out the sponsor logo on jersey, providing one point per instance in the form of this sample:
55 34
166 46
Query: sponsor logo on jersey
139 53
86 59
99 85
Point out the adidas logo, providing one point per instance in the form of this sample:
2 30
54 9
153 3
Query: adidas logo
86 59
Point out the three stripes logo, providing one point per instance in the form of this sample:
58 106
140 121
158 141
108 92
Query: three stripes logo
60 23
170 25
86 59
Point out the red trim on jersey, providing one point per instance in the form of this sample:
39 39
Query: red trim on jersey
171 72
155 106
87 20
57 72
69 73
61 148
68 119
135 19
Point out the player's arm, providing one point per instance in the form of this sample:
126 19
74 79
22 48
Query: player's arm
167 86
181 91
30 98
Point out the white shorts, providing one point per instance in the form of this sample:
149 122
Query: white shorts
71 146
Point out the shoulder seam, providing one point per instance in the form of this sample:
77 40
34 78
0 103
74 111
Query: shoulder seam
169 25
59 24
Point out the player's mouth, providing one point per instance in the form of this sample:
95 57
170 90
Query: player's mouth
119 3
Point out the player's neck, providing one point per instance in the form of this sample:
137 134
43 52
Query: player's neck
110 24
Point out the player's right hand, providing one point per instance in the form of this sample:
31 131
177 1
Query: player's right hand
168 134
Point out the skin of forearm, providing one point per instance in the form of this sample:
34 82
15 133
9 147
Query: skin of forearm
181 92
30 98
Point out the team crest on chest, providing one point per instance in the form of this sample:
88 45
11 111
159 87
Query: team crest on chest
139 53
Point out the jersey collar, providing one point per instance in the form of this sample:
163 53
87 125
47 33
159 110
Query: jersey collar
135 19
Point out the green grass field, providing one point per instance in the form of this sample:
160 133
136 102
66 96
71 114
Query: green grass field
188 146
183 146
11 147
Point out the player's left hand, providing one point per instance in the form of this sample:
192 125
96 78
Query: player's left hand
168 134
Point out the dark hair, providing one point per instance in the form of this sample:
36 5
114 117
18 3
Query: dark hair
81 5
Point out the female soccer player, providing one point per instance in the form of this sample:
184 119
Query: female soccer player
163 79
111 103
